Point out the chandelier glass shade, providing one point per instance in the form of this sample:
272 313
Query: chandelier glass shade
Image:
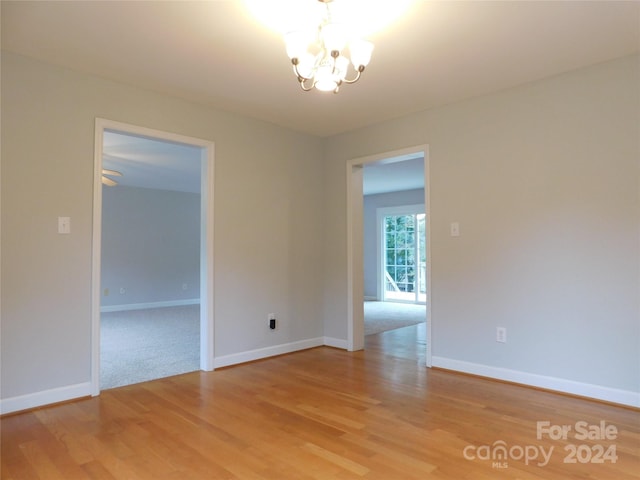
319 55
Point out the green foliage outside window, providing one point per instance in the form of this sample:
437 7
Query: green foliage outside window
400 238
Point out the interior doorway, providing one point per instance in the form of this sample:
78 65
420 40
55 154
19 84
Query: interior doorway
355 241
132 172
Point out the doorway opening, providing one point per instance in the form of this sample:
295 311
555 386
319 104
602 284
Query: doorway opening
408 268
154 190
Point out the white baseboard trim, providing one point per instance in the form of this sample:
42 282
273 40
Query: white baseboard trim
260 353
144 306
597 392
336 343
46 397
613 395
62 394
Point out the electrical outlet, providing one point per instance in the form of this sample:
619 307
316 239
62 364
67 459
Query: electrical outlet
184 286
122 291
501 335
272 321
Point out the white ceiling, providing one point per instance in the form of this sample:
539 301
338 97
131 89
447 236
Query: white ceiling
394 175
152 163
214 53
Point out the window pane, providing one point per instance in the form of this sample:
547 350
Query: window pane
391 240
391 257
401 240
401 274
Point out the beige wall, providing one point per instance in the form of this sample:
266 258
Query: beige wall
544 181
150 247
268 199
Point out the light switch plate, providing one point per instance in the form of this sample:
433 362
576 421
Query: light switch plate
455 229
64 225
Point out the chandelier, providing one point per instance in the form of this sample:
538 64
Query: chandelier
318 54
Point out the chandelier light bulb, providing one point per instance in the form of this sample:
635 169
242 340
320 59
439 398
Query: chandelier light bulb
305 65
297 43
361 51
341 67
325 79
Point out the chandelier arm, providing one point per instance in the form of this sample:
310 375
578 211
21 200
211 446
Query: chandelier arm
302 81
358 74
295 63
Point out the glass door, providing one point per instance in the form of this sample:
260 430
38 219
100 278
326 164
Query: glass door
404 258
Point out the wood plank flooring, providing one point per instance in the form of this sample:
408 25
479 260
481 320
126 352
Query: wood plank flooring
320 414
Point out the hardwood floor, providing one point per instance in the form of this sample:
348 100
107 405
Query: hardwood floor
321 414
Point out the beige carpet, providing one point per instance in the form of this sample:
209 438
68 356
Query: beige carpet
141 345
383 316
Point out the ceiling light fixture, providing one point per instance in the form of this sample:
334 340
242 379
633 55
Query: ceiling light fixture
318 54
109 181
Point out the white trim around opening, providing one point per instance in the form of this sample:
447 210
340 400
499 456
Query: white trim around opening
355 288
206 240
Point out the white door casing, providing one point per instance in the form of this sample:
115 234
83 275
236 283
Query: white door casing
206 240
355 281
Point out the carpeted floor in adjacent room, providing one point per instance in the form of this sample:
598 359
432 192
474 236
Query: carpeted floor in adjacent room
141 345
383 316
